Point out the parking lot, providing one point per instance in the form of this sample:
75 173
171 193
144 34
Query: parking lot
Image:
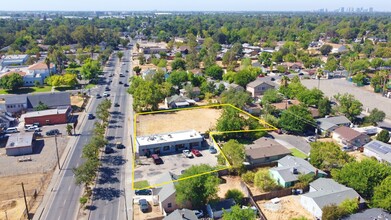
175 163
43 158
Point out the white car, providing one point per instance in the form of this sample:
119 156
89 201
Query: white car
105 94
187 153
32 128
199 213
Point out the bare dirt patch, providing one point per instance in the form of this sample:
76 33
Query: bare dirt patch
231 182
12 209
289 207
77 101
198 119
359 156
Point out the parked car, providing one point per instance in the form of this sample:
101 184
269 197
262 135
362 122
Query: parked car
198 213
121 75
119 145
143 192
98 96
107 89
127 71
108 150
116 105
310 139
91 116
156 159
120 82
187 153
212 150
126 85
53 132
347 148
105 94
11 130
32 128
36 124
196 152
144 206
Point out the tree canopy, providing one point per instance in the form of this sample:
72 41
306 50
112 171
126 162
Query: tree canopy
328 155
238 213
297 119
12 81
348 105
382 195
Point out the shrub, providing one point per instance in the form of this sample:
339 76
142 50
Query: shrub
235 194
248 177
83 200
264 182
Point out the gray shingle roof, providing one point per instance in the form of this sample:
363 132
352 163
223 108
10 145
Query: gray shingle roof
374 213
286 173
337 120
168 189
183 214
50 99
260 81
15 99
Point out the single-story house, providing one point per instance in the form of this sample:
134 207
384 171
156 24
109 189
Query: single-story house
326 192
350 137
181 214
259 86
374 213
17 103
252 108
14 60
285 104
378 149
148 73
48 117
216 210
289 168
339 49
196 91
177 101
296 66
329 124
166 193
19 144
168 142
264 151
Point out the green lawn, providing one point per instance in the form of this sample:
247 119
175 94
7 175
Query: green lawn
90 86
141 184
26 90
297 153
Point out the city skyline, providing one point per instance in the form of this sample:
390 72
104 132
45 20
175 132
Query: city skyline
200 5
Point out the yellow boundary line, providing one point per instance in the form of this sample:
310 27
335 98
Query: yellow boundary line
264 123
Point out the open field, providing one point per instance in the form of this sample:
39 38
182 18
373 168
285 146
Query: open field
198 119
289 207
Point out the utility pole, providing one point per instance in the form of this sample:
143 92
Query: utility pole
25 202
58 158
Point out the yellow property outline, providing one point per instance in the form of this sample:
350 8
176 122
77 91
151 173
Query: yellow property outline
264 123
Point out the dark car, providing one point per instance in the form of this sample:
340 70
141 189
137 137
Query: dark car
143 192
156 159
120 82
212 150
109 150
107 89
196 152
144 206
127 71
91 116
98 96
116 105
53 132
126 85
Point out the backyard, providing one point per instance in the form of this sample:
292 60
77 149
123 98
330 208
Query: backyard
289 207
25 90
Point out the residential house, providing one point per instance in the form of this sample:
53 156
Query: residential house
19 144
194 93
216 210
287 172
177 101
179 40
295 66
38 72
181 214
325 192
259 86
183 49
148 73
17 103
167 193
339 49
285 104
381 151
373 214
196 72
14 60
264 151
350 137
329 124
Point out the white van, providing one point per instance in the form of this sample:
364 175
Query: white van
11 130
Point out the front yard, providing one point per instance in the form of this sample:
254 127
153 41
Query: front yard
25 90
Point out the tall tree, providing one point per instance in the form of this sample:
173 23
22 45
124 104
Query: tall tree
238 213
12 81
382 195
348 105
328 156
297 119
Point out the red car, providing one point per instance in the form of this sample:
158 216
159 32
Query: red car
196 152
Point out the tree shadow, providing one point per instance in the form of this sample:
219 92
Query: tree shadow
91 207
107 194
113 160
108 175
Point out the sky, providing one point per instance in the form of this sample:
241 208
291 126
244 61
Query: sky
189 5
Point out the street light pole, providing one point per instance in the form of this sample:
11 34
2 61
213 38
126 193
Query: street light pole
25 202
58 158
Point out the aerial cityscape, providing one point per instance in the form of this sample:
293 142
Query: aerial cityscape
174 110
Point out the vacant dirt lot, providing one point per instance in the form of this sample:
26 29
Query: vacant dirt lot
77 101
289 207
232 182
198 119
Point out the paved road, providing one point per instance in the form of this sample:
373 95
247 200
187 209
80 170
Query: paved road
370 100
109 200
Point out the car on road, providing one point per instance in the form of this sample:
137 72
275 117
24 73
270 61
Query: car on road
121 75
91 116
119 145
310 139
107 89
127 71
98 96
108 150
53 132
143 192
11 130
116 105
212 150
120 82
144 206
198 213
126 85
156 159
105 94
187 154
196 152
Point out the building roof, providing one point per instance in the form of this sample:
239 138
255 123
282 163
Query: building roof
179 100
181 214
20 140
168 137
383 150
44 113
330 192
224 204
265 147
50 99
20 72
285 104
261 81
371 214
40 66
15 57
337 120
347 133
169 188
15 99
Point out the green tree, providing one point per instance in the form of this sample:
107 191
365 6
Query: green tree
376 116
248 177
120 54
238 98
310 97
235 194
147 94
41 106
12 81
69 79
265 59
271 96
328 155
215 72
178 64
362 176
141 59
263 181
90 69
332 212
382 195
348 105
349 206
229 120
297 119
54 80
69 129
325 49
237 213
234 151
281 69
137 69
324 107
331 65
383 136
198 190
245 76
86 172
176 78
359 79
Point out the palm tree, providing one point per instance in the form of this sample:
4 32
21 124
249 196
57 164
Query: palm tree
120 55
319 74
384 78
284 81
47 62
